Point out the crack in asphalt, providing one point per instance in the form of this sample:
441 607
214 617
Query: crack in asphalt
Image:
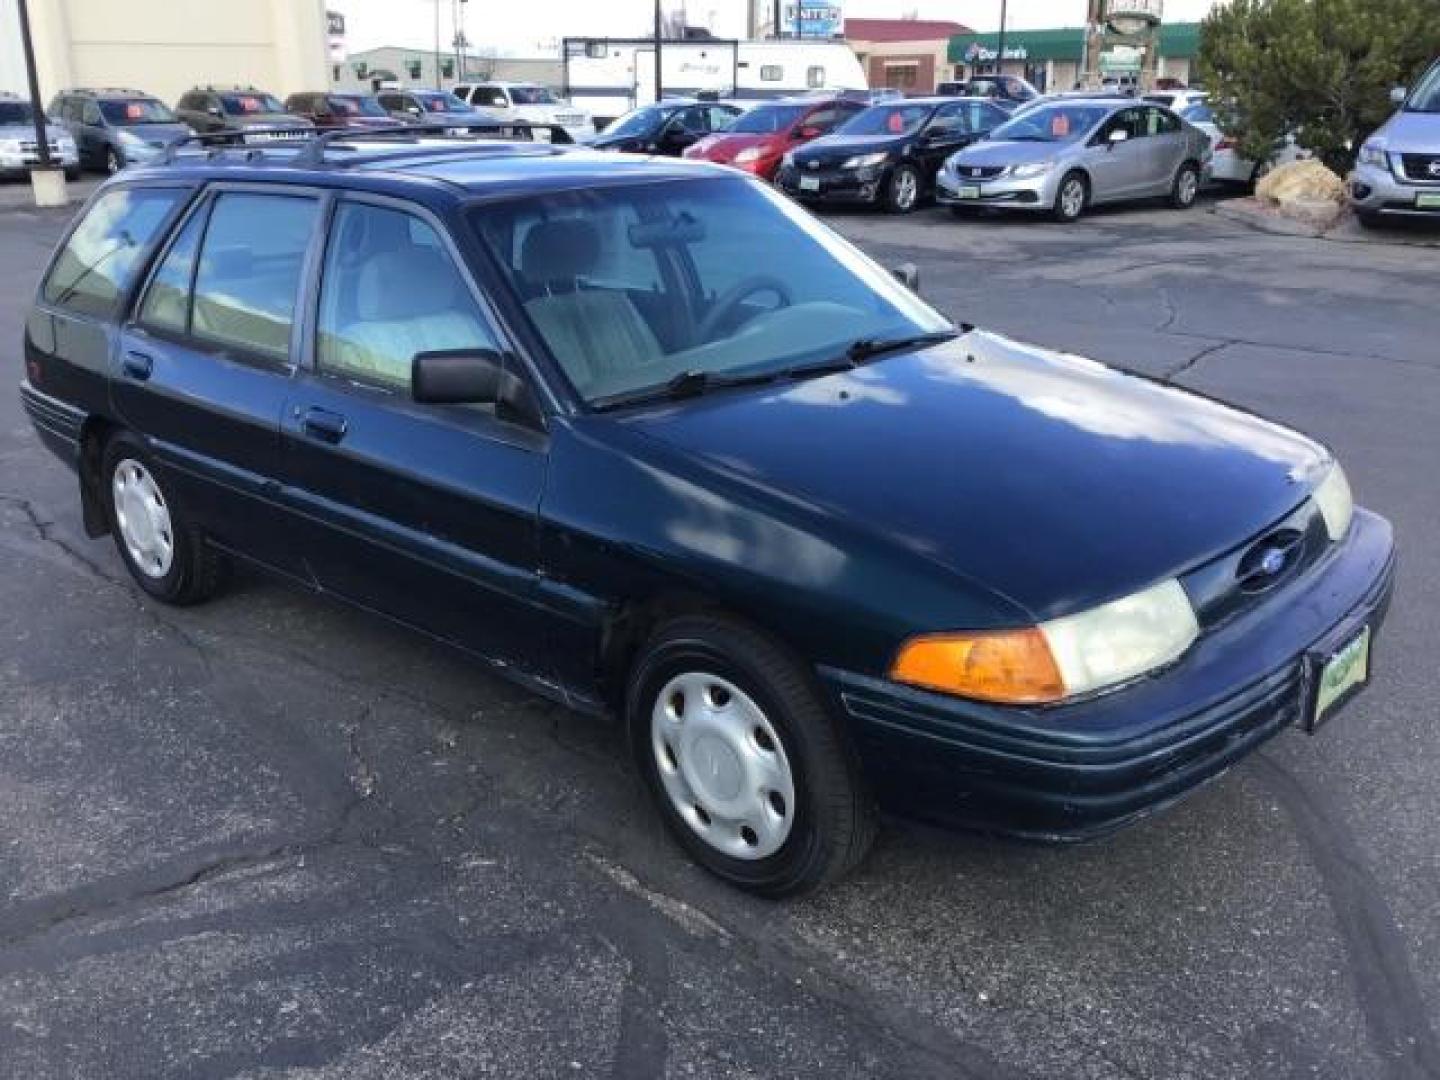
1188 365
1390 1000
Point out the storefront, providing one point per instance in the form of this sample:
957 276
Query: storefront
1053 59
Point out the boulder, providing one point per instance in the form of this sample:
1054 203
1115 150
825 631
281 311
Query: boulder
1301 187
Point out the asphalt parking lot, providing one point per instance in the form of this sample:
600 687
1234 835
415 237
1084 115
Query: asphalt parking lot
270 836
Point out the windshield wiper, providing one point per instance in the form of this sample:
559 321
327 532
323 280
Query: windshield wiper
687 384
863 349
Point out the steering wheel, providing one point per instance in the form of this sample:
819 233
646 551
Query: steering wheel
729 300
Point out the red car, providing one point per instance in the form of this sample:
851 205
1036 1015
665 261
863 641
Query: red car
758 139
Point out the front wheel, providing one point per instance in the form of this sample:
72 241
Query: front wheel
1070 197
165 554
1185 187
902 194
747 766
113 161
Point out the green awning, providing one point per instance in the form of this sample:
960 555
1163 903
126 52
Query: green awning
1177 40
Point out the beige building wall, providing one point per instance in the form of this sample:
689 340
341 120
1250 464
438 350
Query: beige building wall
165 47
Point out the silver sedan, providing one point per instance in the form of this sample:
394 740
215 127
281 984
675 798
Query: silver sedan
1063 157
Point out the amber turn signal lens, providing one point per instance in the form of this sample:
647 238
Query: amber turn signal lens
1011 666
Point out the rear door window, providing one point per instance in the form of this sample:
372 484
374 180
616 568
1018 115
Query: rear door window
166 306
101 256
249 273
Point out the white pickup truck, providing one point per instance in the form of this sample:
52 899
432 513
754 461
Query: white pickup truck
528 102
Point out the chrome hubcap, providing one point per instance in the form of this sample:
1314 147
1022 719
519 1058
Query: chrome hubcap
1072 198
722 765
1188 186
905 189
143 519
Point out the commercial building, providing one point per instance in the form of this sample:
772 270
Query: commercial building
908 54
1053 59
165 47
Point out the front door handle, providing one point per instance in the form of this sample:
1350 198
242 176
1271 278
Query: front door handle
137 365
323 424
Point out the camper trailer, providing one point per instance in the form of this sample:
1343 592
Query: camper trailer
611 76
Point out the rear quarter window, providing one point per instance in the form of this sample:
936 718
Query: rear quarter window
100 258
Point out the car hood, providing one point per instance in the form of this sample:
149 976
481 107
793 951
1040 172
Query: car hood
836 147
271 120
1412 132
723 148
1005 152
160 133
609 142
1055 481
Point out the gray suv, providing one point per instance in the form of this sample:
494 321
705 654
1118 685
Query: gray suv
19 152
1398 171
209 110
113 128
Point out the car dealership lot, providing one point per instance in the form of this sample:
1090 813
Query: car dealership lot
272 834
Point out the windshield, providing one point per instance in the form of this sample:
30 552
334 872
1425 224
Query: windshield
356 105
981 88
531 95
1426 97
1052 123
443 103
639 122
250 104
888 120
631 286
136 111
16 112
767 119
1198 113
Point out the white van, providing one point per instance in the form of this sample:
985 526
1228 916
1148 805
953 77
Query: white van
528 102
613 76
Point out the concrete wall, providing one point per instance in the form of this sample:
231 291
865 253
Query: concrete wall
165 47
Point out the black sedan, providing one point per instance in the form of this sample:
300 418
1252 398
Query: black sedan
667 128
887 155
648 439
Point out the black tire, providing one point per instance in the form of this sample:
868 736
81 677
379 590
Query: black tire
1185 188
1368 219
961 212
71 175
902 190
1066 209
197 571
834 818
113 161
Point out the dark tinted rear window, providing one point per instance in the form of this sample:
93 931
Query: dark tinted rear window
99 259
16 112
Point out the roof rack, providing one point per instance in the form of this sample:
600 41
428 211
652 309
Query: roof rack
310 146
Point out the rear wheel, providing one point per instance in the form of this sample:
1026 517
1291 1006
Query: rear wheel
1185 188
747 766
165 554
1071 197
902 194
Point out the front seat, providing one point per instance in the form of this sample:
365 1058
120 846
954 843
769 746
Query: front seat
407 301
594 333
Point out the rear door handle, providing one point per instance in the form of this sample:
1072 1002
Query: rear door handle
323 424
138 365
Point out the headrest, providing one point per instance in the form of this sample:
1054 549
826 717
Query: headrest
560 250
404 284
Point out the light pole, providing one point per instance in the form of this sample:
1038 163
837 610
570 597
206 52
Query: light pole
437 44
46 180
1000 45
658 93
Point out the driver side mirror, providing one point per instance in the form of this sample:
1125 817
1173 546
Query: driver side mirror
908 274
413 110
805 134
1397 95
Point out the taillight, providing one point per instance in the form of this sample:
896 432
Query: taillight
1225 143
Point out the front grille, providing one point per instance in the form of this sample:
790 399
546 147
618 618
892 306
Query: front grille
569 119
271 136
32 147
1421 166
979 172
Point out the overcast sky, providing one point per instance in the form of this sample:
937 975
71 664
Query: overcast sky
534 28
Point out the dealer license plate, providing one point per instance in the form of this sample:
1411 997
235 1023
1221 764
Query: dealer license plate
1428 200
1340 675
969 191
809 183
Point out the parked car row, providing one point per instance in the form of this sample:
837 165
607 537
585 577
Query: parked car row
111 127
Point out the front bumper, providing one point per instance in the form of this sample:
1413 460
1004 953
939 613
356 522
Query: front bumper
834 185
1031 193
1074 771
1374 190
20 164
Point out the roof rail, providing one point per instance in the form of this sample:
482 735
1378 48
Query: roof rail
235 138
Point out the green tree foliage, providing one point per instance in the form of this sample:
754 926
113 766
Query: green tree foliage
1320 68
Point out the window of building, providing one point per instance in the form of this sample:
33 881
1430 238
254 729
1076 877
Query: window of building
249 272
902 76
361 69
771 73
95 266
447 69
389 291
815 77
413 67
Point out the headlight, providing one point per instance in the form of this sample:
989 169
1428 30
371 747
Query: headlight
788 161
10 146
1059 659
1337 505
865 161
750 153
1034 168
1373 153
